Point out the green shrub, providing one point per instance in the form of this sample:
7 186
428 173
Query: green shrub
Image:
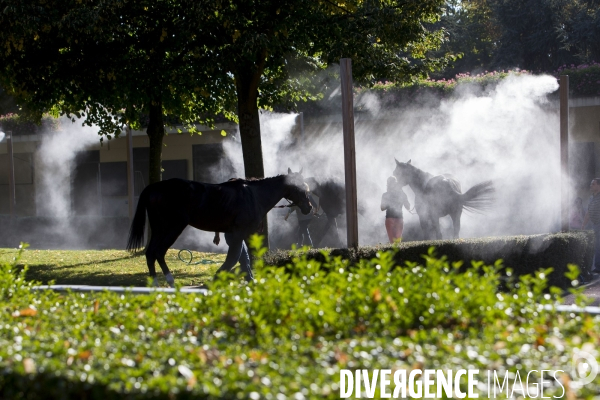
584 79
394 93
519 254
285 336
20 125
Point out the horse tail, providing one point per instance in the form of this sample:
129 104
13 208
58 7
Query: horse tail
480 197
136 232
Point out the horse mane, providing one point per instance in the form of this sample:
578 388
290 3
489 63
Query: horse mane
421 173
252 179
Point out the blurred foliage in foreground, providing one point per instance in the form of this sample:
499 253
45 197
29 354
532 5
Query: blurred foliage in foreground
288 334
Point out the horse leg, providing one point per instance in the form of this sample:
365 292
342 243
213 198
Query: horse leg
423 221
151 258
337 233
435 228
456 222
164 245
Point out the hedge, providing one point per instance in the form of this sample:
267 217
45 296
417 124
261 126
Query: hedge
584 79
521 254
20 125
285 335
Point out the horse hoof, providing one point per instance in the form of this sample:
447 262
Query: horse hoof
170 280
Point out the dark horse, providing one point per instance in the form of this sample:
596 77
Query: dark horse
332 200
236 207
438 196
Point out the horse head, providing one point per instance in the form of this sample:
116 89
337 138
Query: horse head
297 191
404 172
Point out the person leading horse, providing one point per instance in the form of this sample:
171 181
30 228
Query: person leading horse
438 196
236 207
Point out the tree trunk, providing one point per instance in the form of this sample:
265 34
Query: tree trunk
250 128
156 133
247 80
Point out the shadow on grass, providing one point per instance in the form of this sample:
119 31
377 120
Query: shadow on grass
46 273
55 267
132 271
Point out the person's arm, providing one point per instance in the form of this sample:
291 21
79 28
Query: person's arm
384 202
586 219
405 201
217 239
313 204
290 211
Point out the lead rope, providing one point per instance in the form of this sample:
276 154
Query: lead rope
189 262
412 211
286 205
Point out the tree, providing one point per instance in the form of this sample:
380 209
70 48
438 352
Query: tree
7 103
537 35
266 46
581 32
471 33
189 59
530 37
112 62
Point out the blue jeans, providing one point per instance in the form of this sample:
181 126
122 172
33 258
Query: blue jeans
244 259
596 261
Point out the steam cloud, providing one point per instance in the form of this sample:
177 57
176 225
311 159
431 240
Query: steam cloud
54 165
509 135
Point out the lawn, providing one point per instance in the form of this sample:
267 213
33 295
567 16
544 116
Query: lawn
110 267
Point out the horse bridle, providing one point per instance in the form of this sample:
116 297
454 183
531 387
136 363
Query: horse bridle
286 205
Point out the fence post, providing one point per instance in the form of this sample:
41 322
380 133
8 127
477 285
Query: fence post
12 197
349 151
564 152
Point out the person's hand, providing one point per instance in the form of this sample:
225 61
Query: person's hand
217 239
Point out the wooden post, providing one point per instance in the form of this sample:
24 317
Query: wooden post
130 176
349 151
564 152
12 200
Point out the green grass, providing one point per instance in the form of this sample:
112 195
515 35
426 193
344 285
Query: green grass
109 267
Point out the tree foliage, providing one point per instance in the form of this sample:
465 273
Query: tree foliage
270 46
471 33
583 37
109 62
536 35
530 36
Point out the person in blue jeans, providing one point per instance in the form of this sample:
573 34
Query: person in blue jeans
593 216
303 234
244 259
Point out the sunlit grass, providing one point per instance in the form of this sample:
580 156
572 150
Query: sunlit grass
110 267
